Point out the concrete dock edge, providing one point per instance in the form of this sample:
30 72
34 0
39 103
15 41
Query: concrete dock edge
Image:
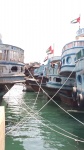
2 128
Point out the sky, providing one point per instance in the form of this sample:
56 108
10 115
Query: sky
34 25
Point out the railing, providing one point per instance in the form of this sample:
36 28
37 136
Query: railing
73 44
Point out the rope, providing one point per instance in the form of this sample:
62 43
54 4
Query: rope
38 92
61 108
57 104
56 94
55 125
29 118
47 127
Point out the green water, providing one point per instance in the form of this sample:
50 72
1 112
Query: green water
38 131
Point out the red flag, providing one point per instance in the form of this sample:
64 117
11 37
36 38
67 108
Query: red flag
51 52
49 49
76 20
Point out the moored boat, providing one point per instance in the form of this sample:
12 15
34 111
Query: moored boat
68 67
78 89
30 68
53 68
68 57
31 71
57 85
38 79
11 67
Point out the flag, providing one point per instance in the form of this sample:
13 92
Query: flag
46 58
49 49
76 20
51 52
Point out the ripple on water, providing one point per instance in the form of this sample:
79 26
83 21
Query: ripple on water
38 131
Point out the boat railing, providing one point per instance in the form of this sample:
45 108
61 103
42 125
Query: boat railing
73 44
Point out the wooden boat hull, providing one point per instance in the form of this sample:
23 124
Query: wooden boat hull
36 87
66 98
52 92
36 83
28 89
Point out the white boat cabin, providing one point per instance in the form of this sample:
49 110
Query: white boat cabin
11 59
68 56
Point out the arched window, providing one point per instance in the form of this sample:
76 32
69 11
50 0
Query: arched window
79 79
21 69
14 69
58 79
68 60
63 61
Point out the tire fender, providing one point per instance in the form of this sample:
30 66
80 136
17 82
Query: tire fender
74 93
80 99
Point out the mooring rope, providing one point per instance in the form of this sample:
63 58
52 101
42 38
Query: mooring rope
34 114
38 92
53 124
63 109
77 140
51 98
46 104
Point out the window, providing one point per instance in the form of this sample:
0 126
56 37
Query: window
58 79
14 69
68 60
79 78
21 69
63 61
78 55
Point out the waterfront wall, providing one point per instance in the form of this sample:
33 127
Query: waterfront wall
2 128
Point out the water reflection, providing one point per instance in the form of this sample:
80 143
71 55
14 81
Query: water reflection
33 131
